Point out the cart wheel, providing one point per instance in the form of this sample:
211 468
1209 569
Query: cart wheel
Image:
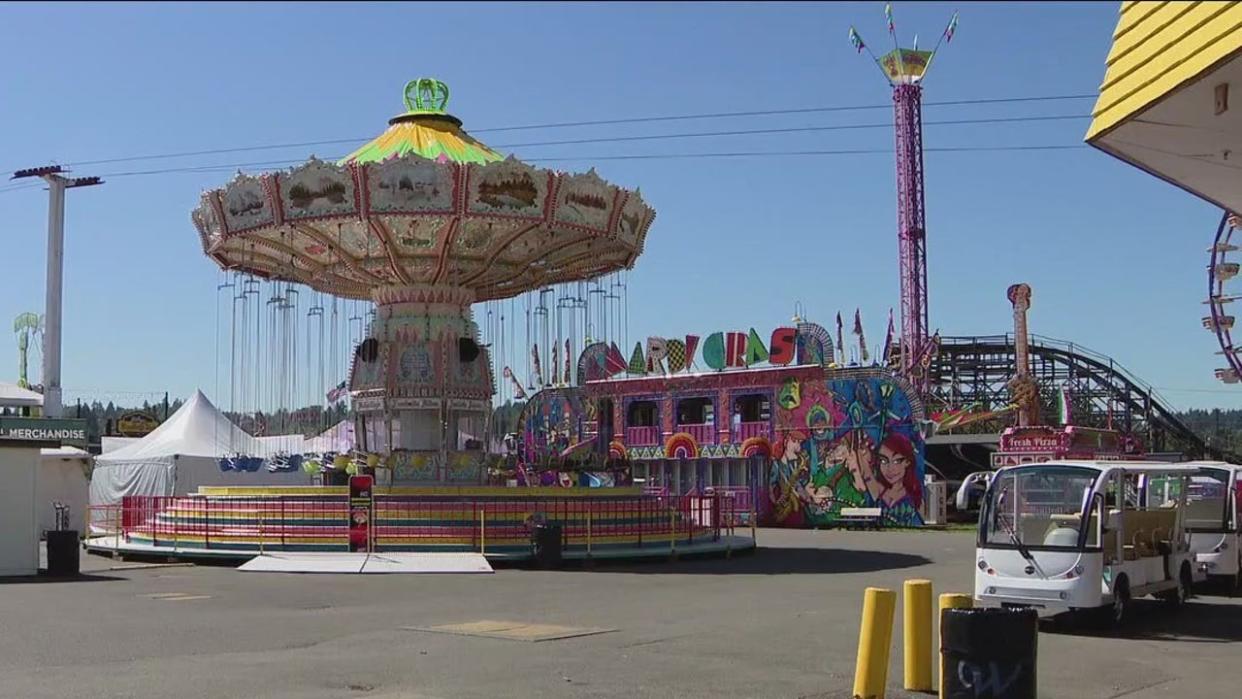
1178 595
1119 611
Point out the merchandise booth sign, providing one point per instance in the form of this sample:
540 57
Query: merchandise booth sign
361 506
53 431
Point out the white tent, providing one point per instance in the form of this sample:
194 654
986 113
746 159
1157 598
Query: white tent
64 477
281 444
111 444
182 454
338 438
14 396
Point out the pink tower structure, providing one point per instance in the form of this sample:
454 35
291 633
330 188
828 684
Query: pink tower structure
905 69
911 227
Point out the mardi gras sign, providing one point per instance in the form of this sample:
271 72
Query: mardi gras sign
808 343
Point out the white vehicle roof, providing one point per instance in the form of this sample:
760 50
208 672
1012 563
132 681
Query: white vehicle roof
1145 467
1214 464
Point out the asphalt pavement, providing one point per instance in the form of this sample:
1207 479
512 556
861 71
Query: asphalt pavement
781 622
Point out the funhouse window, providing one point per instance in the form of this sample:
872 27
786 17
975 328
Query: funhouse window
752 408
642 413
695 411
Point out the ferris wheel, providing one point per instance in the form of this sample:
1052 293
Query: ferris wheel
1220 271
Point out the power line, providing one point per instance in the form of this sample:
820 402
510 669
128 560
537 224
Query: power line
19 187
1235 392
642 156
599 122
796 129
776 112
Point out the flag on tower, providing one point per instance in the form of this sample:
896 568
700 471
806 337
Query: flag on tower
863 355
337 393
519 393
888 17
840 337
534 354
948 31
856 40
888 339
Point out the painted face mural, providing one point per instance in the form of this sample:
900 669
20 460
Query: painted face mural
847 443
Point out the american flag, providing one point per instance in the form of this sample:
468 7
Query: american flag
337 393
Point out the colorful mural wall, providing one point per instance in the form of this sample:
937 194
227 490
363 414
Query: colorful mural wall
843 444
827 439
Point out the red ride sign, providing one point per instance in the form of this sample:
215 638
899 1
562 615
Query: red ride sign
360 509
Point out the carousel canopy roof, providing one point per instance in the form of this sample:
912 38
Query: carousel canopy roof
425 129
423 204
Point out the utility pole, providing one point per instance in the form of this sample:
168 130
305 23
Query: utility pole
57 183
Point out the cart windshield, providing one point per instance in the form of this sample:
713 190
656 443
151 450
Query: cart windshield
1207 499
1037 507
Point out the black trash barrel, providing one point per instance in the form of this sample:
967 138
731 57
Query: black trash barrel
547 545
988 653
62 553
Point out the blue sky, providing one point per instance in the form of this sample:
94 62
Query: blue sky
1116 258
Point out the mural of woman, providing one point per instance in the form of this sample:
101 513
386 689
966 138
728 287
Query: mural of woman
789 468
903 493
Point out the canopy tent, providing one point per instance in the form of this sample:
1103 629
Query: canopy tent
281 444
182 454
111 444
338 438
64 477
14 396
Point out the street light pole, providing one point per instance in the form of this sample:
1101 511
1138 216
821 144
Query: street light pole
57 184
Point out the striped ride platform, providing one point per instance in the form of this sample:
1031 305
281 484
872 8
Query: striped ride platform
495 522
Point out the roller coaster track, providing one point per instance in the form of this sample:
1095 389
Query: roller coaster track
975 370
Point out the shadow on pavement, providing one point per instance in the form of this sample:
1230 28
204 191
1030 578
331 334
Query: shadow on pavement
44 578
1152 620
770 561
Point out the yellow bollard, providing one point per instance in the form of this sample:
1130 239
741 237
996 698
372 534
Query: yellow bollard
917 632
950 601
874 638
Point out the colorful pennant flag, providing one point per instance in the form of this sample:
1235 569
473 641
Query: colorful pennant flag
888 17
888 339
840 337
556 366
518 392
856 41
1064 407
948 31
863 355
534 353
337 393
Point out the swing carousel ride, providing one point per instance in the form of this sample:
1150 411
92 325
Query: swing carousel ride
423 222
408 232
